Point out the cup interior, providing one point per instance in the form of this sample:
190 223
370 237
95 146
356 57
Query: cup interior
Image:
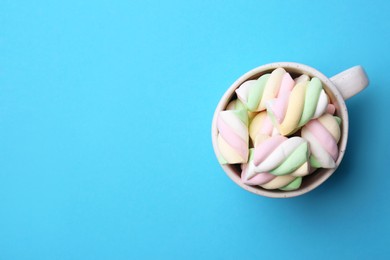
313 180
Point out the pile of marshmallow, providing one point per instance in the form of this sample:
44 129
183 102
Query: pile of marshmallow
279 129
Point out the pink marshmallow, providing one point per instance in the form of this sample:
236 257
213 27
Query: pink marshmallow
232 138
258 179
266 148
324 137
279 108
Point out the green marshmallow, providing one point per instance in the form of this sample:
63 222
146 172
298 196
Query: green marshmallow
314 163
242 114
293 162
312 95
255 96
295 184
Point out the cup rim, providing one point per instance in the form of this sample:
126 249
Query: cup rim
331 90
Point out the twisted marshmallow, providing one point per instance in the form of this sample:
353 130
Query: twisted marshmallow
255 93
233 138
276 162
295 106
268 180
323 135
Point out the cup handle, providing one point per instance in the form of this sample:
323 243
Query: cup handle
350 81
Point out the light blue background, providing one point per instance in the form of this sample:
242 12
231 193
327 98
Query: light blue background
105 116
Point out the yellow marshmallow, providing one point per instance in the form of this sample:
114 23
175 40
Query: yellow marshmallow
294 109
228 153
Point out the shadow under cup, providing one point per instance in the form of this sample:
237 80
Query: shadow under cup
310 181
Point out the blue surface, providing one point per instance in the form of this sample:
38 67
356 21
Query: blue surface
105 115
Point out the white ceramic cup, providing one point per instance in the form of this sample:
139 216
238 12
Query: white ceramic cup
339 88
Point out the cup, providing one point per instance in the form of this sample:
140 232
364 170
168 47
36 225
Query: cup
339 88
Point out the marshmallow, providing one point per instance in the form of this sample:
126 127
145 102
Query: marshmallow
233 139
